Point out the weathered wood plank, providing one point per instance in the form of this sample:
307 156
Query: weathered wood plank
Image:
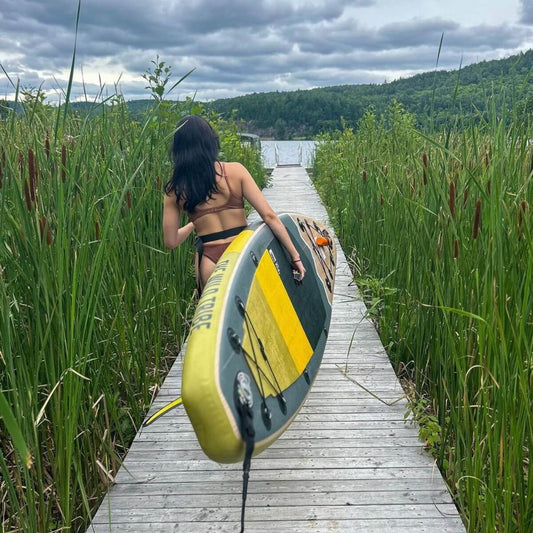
440 525
324 512
348 462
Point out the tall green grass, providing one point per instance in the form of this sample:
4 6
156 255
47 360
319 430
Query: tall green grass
93 309
439 231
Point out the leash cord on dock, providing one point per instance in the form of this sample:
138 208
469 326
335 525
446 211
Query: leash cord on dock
244 401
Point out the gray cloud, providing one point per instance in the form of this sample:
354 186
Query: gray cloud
236 46
527 12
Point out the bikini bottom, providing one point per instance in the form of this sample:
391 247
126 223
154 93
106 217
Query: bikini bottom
214 251
211 250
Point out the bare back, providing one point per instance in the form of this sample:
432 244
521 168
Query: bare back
218 216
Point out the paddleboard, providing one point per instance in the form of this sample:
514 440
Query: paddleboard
257 337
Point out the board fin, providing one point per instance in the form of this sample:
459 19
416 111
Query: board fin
163 410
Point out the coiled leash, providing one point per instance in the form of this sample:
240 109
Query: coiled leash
244 402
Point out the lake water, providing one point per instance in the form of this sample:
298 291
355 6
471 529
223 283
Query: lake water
287 153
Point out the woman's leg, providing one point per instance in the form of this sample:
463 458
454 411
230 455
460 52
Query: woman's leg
206 268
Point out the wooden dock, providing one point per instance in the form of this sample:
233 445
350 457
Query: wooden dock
348 463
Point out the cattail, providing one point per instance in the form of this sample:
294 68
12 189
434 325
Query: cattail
47 146
487 159
102 150
364 176
522 211
360 215
33 173
451 200
158 183
381 200
21 164
128 199
488 187
455 249
465 196
63 163
45 230
477 217
97 229
27 196
424 167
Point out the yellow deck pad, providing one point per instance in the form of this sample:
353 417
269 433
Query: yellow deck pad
277 325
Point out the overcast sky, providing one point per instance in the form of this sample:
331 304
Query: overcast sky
244 46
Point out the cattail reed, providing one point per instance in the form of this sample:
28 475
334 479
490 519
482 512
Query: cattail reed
488 187
451 200
381 199
456 249
63 163
128 199
47 146
364 176
521 212
97 229
45 230
27 195
487 159
477 217
21 164
33 174
424 167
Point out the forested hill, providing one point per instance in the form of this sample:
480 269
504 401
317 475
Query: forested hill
436 98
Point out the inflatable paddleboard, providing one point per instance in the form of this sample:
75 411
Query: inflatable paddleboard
257 338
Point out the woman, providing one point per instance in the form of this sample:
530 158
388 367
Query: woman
212 194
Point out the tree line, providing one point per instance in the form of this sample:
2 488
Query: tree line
438 99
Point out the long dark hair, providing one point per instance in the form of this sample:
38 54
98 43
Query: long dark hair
194 152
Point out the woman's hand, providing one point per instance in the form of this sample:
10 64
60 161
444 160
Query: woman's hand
299 269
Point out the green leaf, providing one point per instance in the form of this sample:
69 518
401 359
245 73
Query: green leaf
14 430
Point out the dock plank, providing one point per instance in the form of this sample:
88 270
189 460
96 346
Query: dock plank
350 461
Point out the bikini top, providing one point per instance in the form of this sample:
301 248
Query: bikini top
234 202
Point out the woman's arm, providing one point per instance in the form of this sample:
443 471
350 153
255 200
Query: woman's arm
253 194
173 235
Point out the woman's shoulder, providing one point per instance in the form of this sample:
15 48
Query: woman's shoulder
233 167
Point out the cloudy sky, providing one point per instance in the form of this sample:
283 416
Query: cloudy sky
243 46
